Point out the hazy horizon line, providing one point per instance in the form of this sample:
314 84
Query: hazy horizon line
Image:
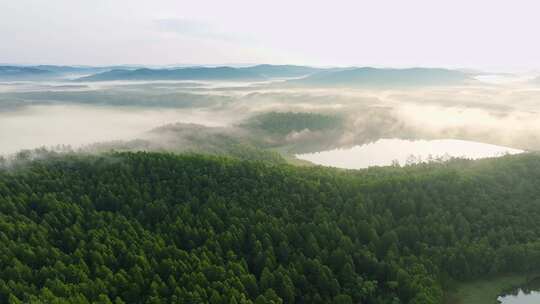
250 64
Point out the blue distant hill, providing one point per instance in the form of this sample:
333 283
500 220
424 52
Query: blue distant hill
282 71
45 72
307 76
194 73
13 73
368 76
75 70
253 73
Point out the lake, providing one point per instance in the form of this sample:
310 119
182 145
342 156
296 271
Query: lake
384 152
521 297
527 294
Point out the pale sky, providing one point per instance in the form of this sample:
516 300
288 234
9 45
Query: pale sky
453 33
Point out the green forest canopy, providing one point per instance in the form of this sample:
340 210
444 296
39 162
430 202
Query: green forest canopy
162 228
285 122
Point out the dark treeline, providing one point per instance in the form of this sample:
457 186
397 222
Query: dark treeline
160 228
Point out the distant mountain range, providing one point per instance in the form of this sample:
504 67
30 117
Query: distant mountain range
23 73
75 70
193 73
282 71
44 72
375 77
253 73
302 75
108 73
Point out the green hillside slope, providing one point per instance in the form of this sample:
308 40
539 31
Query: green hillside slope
162 228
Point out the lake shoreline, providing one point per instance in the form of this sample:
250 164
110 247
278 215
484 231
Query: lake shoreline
487 290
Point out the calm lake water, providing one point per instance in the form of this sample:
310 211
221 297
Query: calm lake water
526 294
385 151
531 297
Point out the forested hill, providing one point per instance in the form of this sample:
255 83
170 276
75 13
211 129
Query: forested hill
389 78
225 73
160 228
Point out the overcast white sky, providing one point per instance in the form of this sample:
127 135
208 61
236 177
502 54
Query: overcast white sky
456 33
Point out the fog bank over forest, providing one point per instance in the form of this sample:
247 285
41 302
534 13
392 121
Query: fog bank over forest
37 113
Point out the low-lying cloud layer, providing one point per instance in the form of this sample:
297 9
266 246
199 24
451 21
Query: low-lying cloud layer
77 125
497 114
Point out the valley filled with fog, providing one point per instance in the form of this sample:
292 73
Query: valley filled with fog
210 115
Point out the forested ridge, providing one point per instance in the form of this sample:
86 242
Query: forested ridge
285 122
163 228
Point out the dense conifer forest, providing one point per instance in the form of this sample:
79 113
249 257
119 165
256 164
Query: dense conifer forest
163 228
286 122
